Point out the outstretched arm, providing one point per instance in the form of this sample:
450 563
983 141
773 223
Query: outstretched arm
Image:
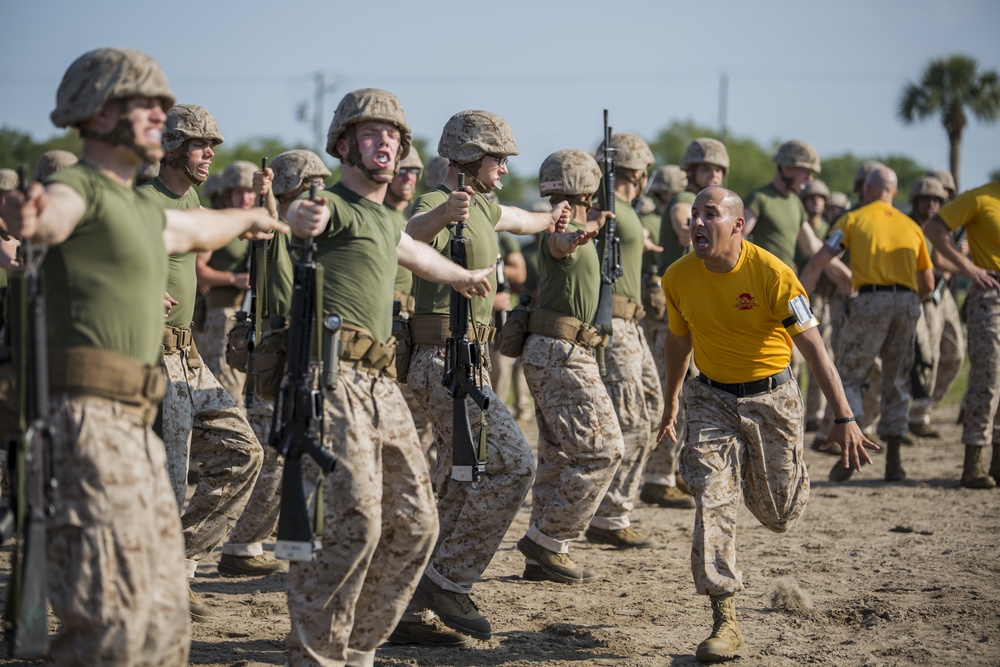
429 264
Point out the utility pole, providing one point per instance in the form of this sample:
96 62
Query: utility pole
723 107
319 126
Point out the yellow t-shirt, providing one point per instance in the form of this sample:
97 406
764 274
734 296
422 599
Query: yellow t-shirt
979 211
741 322
887 246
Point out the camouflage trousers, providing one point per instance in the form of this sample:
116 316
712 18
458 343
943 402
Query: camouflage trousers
260 516
634 388
940 333
379 525
473 519
425 430
506 376
880 325
815 400
211 340
201 420
982 399
749 448
116 577
579 441
661 468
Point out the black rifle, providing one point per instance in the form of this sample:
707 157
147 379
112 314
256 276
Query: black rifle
611 269
462 360
251 309
298 413
25 620
503 285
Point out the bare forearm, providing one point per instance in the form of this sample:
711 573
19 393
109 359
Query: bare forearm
677 352
947 256
425 226
810 344
518 221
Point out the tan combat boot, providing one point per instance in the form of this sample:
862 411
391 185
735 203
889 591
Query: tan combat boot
893 468
973 474
665 496
726 640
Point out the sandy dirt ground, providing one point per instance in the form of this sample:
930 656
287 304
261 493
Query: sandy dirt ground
873 575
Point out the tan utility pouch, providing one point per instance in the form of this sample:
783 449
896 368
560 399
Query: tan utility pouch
626 308
514 333
177 340
653 299
565 327
406 301
269 359
237 343
92 371
359 347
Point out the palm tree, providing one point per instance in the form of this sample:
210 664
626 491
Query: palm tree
949 86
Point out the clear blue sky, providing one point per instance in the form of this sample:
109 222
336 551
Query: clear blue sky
828 72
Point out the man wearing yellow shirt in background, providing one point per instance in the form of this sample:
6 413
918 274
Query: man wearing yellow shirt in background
979 211
891 272
739 308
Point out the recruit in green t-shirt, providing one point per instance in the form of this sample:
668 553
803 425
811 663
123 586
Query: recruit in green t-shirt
182 277
570 285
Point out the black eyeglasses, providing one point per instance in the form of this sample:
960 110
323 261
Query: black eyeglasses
501 161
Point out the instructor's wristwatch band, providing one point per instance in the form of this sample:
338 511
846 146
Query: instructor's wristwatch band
843 420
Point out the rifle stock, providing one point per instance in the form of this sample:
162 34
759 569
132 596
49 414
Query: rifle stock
26 619
462 358
298 414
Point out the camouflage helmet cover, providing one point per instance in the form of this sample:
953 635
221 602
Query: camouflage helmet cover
53 161
928 186
292 168
705 150
946 179
368 104
189 121
815 187
867 167
798 153
412 159
569 172
668 180
102 75
471 135
239 174
8 180
212 187
839 200
437 169
647 206
633 151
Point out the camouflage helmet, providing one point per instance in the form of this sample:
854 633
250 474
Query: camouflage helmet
213 186
239 174
189 121
647 206
102 75
668 180
946 179
8 180
373 105
292 168
798 153
53 161
471 135
569 172
838 200
437 169
705 151
867 167
928 186
412 160
633 151
815 187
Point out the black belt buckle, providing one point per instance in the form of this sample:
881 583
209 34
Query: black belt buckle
744 389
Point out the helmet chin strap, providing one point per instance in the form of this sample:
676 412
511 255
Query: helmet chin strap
122 134
374 175
181 162
786 180
471 171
